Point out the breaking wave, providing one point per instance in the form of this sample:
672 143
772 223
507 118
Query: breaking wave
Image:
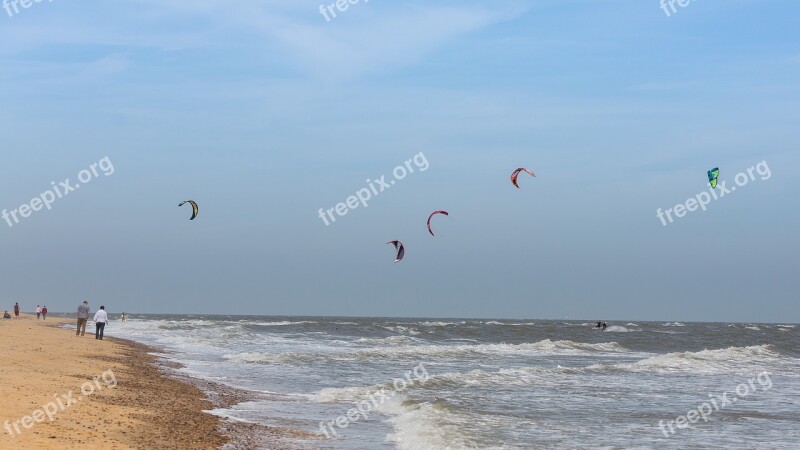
731 359
443 351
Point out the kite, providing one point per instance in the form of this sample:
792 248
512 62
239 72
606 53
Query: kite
515 174
401 251
713 174
431 217
194 207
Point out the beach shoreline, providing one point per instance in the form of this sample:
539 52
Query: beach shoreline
136 399
65 391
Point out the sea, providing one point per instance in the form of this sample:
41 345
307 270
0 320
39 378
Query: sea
385 383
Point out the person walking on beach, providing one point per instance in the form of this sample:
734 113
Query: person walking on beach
100 319
38 312
83 317
16 309
44 313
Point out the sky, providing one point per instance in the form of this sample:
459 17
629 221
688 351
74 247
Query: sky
265 112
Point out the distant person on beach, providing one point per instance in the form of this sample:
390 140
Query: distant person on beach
123 317
100 319
6 315
16 309
44 313
38 312
83 317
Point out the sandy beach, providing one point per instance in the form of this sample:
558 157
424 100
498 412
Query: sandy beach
62 391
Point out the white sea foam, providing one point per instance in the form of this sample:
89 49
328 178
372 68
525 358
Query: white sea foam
731 359
752 328
674 324
391 340
436 324
279 324
631 324
427 425
402 329
545 347
618 329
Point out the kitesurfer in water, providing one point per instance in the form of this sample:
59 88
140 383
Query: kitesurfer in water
605 325
599 324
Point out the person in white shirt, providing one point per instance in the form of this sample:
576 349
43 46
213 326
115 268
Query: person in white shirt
38 312
100 319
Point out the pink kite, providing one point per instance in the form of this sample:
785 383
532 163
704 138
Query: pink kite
431 216
515 174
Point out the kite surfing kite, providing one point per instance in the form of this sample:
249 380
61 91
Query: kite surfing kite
431 217
713 174
401 251
515 174
194 207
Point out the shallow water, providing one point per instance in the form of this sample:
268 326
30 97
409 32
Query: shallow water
497 383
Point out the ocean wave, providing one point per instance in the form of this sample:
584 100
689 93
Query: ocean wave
494 349
619 329
279 324
504 377
786 326
674 324
391 340
631 324
402 329
433 351
437 324
451 380
493 322
416 424
430 425
271 358
731 359
752 328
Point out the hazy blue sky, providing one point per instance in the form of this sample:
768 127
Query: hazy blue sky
263 112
